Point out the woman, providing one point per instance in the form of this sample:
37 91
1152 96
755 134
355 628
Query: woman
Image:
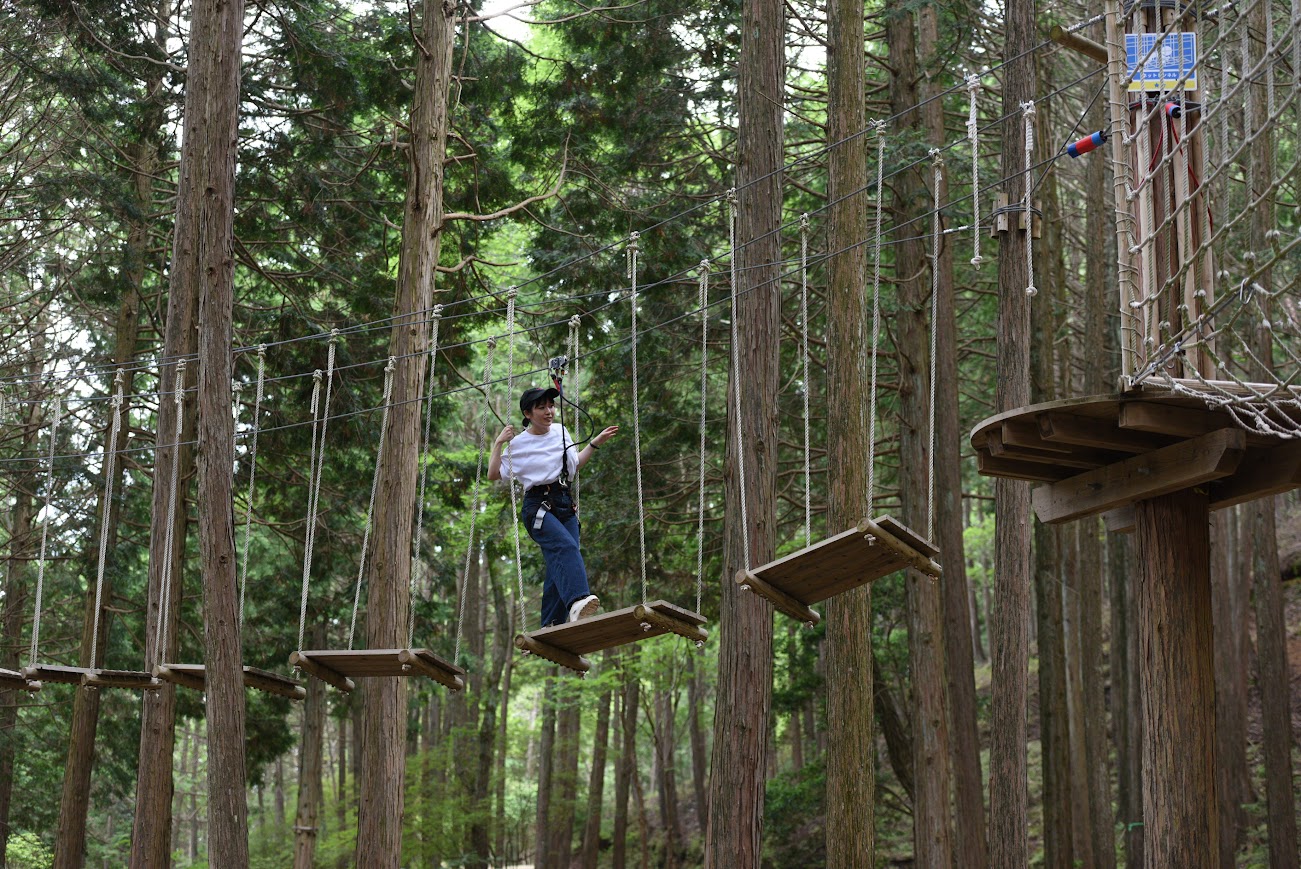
549 513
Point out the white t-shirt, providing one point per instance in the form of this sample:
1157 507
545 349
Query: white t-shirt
534 459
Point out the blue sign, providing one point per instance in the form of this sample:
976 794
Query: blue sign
1169 65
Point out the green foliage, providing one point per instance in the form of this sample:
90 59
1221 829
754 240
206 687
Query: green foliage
794 809
26 851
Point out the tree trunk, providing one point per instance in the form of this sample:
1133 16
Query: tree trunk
596 782
1177 681
546 767
699 749
1009 624
383 767
627 766
1124 687
1230 595
564 775
307 819
895 730
665 751
851 760
745 620
932 817
208 203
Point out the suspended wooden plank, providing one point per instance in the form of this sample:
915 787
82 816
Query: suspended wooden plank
853 558
339 667
16 681
130 679
567 644
55 673
195 676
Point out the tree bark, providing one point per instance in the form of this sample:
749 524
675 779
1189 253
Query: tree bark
1177 681
1054 728
1230 595
383 767
546 764
596 782
745 621
699 750
850 758
564 775
307 819
627 766
1009 624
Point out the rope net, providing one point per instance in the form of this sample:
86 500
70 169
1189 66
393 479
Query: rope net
1205 109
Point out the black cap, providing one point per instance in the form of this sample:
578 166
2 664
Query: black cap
535 394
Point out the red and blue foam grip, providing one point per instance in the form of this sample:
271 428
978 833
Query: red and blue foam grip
1087 144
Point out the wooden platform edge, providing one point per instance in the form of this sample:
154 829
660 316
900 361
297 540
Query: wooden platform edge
577 663
137 680
274 683
413 659
780 600
304 662
672 624
899 546
16 681
178 676
54 674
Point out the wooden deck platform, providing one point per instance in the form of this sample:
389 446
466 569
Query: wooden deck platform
195 676
1100 454
863 554
339 667
567 644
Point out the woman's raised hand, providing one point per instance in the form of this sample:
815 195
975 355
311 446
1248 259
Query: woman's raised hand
506 434
606 433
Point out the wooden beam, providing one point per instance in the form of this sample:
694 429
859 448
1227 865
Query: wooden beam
1263 472
411 658
1159 472
1025 433
193 676
992 466
1120 520
778 598
1075 42
325 674
916 560
1065 428
1078 459
559 656
650 616
1170 419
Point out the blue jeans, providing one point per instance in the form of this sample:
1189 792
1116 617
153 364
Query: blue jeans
566 579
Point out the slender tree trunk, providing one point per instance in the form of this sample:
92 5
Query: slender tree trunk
665 750
627 766
699 748
564 775
1230 595
1008 788
383 767
895 731
546 767
596 782
744 699
851 759
1054 729
1125 688
307 820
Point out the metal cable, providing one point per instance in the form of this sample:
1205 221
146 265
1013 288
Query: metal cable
252 478
320 417
472 549
45 535
110 461
632 251
876 317
736 376
704 389
374 488
417 564
169 540
804 356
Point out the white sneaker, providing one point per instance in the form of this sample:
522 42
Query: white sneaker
584 607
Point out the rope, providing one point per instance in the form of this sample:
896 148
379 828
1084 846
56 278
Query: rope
471 550
876 317
252 478
973 134
572 351
804 355
45 534
374 488
110 460
704 387
1029 110
320 417
632 251
416 562
169 541
938 159
505 454
736 374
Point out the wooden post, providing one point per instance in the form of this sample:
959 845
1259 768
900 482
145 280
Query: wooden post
1177 680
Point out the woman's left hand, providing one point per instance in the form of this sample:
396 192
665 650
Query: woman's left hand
606 433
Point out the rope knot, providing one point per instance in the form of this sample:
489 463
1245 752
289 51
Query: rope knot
317 375
492 343
261 351
804 222
937 157
437 312
392 365
334 335
878 126
511 293
731 195
575 321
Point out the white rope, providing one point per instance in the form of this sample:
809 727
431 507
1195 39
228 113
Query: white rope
736 373
169 541
374 488
507 466
417 564
472 548
252 477
937 159
45 534
110 461
876 316
572 350
632 251
1029 110
804 357
704 389
973 134
321 417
